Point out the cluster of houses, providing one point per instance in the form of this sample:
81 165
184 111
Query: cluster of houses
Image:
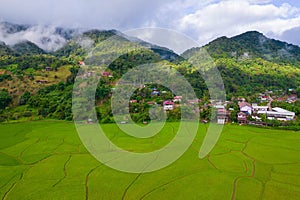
246 111
256 112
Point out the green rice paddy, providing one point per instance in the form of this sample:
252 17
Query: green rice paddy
47 160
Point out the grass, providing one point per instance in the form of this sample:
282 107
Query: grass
46 160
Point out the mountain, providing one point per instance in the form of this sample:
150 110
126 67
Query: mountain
253 44
249 64
28 48
48 38
10 28
5 50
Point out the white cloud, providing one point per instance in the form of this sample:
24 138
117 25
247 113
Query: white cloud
232 17
43 36
203 20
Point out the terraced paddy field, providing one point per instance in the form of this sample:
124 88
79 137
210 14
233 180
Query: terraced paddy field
47 160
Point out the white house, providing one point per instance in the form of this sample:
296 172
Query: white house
177 99
257 108
279 114
168 105
245 108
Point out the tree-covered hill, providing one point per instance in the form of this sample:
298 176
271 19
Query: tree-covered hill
255 45
40 82
27 48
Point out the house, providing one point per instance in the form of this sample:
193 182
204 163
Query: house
168 105
222 116
106 74
292 99
263 98
48 69
177 99
196 101
257 108
245 108
133 101
151 103
41 81
90 121
81 63
279 114
241 99
219 106
155 91
242 118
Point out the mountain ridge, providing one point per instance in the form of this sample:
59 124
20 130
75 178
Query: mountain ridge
253 44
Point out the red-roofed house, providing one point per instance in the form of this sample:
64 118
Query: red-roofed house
242 118
177 99
106 74
168 105
81 63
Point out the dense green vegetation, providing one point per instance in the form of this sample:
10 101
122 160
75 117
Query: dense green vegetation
249 64
46 160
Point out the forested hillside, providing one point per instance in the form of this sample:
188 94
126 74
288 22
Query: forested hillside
38 84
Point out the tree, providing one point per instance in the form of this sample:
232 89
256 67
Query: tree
5 99
24 98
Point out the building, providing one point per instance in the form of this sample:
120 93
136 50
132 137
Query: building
279 114
292 99
191 102
81 63
106 74
133 101
41 82
155 91
168 105
257 108
177 99
242 118
48 69
151 103
245 108
222 116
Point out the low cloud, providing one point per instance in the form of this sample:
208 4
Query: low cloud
232 17
202 20
45 37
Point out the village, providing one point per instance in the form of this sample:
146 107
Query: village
238 110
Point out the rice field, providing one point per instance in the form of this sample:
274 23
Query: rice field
47 160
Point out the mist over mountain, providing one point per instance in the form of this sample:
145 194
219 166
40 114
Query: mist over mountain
42 39
48 38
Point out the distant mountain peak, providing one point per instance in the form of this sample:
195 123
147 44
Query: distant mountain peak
255 45
27 47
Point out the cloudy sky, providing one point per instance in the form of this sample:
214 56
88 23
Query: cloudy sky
202 20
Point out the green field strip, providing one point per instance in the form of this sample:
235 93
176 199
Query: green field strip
87 182
246 184
129 186
9 160
65 171
162 185
22 152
